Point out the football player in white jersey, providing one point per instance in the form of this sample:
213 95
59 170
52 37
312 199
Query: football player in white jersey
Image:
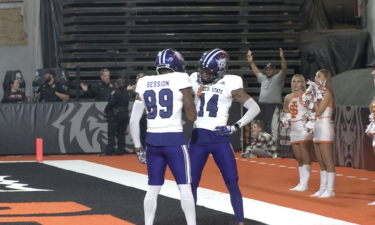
214 92
164 97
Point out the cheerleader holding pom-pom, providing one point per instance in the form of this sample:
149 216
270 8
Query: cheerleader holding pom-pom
300 139
319 98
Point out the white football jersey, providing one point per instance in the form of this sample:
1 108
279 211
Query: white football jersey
163 100
215 101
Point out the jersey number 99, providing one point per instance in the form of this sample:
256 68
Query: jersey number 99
165 100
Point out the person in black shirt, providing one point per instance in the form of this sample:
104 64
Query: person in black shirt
51 90
12 95
118 107
101 90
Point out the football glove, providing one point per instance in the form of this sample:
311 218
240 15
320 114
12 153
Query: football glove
141 154
225 130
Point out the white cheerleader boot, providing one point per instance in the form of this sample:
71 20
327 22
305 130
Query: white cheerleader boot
323 184
329 193
300 170
306 176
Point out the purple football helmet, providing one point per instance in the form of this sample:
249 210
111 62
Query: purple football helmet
170 59
216 62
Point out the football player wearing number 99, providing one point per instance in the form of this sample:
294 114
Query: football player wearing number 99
214 92
164 96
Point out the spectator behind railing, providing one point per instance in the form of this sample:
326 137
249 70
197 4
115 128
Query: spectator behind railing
102 90
13 95
262 143
51 90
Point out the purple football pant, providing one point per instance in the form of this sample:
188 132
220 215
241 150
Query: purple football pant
225 160
176 157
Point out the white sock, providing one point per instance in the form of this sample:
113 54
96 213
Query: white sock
150 203
323 180
300 170
331 181
307 171
187 203
301 174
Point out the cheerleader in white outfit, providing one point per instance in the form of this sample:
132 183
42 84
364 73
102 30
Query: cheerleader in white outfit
372 110
323 137
300 139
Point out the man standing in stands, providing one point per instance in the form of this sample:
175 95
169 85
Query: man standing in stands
271 83
51 90
102 90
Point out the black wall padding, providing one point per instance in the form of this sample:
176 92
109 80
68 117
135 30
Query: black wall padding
51 25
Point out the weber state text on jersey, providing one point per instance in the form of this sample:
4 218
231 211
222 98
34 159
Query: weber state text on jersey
163 100
215 101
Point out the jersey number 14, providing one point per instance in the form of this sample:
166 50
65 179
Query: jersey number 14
211 105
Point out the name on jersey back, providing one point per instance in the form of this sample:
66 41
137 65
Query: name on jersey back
216 90
154 84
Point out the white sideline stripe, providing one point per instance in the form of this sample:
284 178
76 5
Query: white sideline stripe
255 210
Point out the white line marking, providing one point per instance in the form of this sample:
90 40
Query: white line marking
339 175
255 210
351 176
363 178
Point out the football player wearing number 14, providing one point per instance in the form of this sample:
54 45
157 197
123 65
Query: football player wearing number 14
214 92
165 96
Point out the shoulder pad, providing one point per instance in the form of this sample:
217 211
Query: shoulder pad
112 92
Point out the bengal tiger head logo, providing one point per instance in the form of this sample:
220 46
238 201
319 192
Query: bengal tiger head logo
83 126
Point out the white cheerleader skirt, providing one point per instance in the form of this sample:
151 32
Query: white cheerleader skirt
324 130
298 133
